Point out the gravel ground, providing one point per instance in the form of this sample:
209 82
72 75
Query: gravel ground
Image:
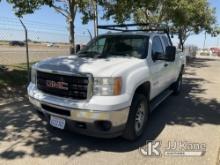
193 116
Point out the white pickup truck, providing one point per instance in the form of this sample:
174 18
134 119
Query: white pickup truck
110 87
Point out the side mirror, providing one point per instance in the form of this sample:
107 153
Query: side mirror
170 53
77 48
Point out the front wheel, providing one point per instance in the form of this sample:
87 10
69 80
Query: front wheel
137 118
177 86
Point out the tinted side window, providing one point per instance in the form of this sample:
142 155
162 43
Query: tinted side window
157 47
166 41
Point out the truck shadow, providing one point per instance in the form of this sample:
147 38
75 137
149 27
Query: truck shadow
19 126
200 62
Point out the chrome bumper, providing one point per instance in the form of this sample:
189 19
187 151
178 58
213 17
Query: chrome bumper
116 117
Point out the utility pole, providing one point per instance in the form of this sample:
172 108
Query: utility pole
95 8
204 41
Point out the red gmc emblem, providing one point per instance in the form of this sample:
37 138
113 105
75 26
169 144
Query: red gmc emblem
57 85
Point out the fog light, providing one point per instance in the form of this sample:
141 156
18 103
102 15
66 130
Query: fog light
103 125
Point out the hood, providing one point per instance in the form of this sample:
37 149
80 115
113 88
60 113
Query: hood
99 67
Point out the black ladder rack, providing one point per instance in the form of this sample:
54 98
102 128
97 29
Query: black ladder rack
147 28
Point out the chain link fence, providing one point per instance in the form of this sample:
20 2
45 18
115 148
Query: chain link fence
45 40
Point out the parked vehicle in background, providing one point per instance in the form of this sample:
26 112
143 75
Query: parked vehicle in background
50 45
110 87
17 43
215 51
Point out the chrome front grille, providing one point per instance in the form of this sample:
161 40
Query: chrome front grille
68 86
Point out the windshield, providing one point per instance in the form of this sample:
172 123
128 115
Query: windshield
116 45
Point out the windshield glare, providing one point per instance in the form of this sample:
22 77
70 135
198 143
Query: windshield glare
123 46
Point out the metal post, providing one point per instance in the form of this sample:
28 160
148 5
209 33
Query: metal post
27 52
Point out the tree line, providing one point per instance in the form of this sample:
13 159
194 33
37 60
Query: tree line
184 17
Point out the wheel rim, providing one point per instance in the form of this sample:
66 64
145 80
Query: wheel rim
139 118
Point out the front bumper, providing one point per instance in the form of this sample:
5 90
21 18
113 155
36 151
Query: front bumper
84 121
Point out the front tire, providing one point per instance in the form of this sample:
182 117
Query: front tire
177 86
137 118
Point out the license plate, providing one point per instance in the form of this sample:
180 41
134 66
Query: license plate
57 122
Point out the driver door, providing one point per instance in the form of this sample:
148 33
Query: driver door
157 67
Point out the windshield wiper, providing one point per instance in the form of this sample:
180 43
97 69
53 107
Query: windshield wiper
88 52
118 54
93 54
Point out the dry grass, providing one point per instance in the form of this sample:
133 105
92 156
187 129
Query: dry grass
13 81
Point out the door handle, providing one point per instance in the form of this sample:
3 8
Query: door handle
165 65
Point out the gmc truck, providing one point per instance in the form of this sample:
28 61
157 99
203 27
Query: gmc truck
110 87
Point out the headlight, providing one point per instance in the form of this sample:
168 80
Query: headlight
33 75
109 86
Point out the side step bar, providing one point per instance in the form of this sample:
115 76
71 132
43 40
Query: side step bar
159 99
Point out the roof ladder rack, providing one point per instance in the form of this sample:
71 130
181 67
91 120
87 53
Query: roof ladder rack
145 28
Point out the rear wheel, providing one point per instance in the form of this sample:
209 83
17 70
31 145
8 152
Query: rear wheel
138 117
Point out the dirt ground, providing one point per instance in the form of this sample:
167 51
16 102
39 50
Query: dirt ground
193 116
10 55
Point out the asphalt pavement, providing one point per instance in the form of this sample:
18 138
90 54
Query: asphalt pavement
191 118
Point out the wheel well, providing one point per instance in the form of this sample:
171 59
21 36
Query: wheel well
144 89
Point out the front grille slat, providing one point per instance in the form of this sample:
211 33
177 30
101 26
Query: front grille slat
77 86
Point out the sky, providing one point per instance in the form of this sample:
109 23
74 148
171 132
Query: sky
47 25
